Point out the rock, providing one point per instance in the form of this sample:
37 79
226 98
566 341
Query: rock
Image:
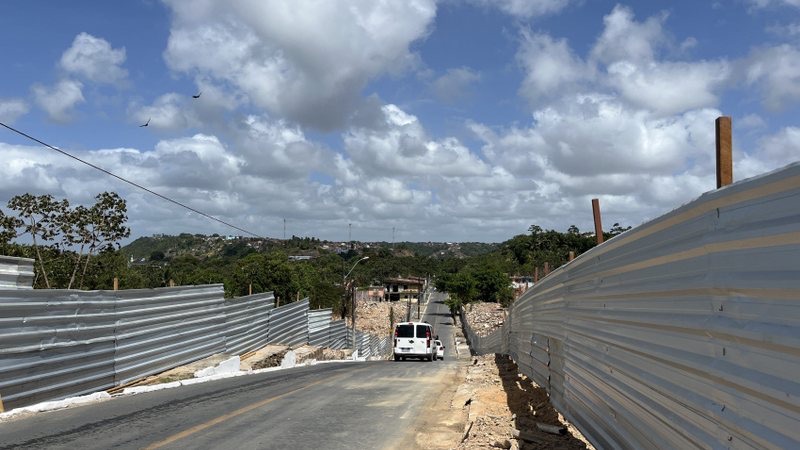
504 444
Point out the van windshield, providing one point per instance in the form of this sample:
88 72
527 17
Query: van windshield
405 331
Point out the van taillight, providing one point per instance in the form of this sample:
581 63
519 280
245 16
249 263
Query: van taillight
396 333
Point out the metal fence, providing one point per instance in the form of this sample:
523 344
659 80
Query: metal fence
16 273
681 333
319 322
289 324
247 322
60 343
338 335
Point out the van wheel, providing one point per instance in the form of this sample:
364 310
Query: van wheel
396 358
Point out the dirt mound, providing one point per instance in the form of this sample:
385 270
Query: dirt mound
485 317
376 317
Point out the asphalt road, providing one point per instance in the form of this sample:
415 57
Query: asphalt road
377 404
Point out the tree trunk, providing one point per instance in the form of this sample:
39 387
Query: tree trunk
38 254
75 270
85 266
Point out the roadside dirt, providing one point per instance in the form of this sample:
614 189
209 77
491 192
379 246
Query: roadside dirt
375 317
497 400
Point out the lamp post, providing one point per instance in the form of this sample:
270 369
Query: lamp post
344 284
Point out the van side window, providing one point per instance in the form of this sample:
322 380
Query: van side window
421 329
406 331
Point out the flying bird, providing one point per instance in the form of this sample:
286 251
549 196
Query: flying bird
146 123
198 94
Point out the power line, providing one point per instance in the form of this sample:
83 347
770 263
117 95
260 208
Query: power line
164 197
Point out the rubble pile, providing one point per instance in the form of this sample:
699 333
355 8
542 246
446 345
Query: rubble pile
373 317
505 409
485 317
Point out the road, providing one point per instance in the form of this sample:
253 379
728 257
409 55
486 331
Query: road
344 405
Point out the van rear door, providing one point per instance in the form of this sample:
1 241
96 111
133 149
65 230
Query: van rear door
404 339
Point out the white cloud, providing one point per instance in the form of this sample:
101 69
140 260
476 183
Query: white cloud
524 9
12 109
624 39
404 148
454 84
315 76
768 3
550 66
93 59
59 100
775 71
170 111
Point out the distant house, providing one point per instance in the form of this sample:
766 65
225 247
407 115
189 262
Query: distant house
372 293
299 257
407 288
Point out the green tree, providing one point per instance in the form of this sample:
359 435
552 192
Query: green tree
38 218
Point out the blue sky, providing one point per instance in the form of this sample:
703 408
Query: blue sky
453 120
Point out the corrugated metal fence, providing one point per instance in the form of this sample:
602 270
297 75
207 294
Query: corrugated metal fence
16 273
319 323
681 333
61 343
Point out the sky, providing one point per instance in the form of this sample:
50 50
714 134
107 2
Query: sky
382 120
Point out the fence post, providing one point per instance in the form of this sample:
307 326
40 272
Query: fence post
2 408
536 274
171 283
571 255
116 283
546 268
250 289
724 151
598 226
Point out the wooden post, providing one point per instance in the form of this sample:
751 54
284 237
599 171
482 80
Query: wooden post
546 268
598 225
536 274
116 283
571 255
724 151
250 289
171 283
2 408
298 296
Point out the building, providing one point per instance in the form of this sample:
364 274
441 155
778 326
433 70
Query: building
407 288
372 294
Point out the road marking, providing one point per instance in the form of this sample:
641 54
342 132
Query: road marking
206 425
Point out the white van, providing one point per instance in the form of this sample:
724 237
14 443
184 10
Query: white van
414 340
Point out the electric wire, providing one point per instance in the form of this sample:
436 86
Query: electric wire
132 183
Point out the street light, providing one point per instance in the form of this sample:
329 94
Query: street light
344 284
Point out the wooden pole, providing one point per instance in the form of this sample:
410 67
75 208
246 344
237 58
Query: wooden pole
116 283
724 151
598 225
298 296
536 274
571 255
250 289
171 283
546 268
2 408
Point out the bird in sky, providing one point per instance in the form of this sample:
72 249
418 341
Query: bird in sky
198 94
146 123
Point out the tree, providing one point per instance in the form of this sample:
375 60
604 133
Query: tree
38 215
104 225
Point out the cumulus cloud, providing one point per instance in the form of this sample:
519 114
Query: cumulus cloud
12 109
59 100
775 71
95 60
403 147
308 61
454 84
625 39
550 66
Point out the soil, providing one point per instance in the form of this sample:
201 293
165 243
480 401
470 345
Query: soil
485 317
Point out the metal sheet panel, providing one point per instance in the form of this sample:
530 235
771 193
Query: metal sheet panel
54 344
319 322
247 322
338 335
288 324
16 273
158 329
681 333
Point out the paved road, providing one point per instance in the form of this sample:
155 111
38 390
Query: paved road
378 404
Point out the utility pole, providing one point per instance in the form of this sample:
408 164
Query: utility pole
392 238
284 228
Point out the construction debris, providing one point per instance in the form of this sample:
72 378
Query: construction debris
376 317
484 318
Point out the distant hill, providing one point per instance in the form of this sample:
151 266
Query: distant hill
201 246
